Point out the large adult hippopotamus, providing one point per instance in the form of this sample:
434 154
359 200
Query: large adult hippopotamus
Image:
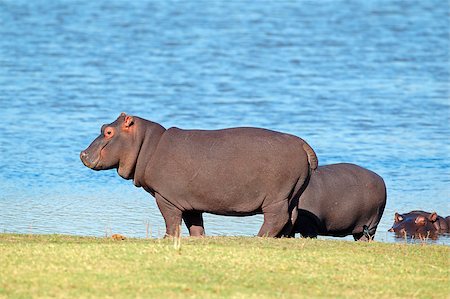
236 171
420 224
339 200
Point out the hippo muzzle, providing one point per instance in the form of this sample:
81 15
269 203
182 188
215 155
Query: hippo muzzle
92 155
88 161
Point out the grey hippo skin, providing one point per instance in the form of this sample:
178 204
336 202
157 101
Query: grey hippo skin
420 224
340 200
237 171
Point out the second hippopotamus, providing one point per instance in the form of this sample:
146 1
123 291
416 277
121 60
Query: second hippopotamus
340 200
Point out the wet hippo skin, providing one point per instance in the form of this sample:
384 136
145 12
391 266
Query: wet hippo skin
236 171
340 200
420 224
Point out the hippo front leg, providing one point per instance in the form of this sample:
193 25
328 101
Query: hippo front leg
171 215
194 223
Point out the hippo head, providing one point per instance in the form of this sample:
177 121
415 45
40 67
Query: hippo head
415 224
117 146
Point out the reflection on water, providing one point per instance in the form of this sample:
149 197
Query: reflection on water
364 82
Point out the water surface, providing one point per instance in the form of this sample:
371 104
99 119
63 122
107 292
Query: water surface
364 82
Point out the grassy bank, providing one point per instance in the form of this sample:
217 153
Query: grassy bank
66 266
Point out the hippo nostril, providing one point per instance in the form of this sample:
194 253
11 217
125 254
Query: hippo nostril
84 156
88 160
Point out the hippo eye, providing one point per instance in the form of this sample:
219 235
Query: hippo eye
109 132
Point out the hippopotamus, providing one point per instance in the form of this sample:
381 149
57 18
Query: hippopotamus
420 224
339 200
237 171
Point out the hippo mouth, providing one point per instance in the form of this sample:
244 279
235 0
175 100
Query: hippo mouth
90 164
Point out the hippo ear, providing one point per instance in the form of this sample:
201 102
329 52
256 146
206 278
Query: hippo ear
433 217
128 122
420 220
398 217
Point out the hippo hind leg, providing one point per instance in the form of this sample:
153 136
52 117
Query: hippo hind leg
289 229
276 216
366 235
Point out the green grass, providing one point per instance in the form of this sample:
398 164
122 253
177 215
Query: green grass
244 267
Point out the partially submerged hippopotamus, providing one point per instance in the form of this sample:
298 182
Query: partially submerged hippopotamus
237 171
339 200
420 224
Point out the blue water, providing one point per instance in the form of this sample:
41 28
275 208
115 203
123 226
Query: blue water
365 82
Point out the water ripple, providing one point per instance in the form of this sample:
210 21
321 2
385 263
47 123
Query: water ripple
362 82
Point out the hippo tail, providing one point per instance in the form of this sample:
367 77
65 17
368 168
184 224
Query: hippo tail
312 157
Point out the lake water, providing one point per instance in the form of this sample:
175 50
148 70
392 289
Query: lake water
365 82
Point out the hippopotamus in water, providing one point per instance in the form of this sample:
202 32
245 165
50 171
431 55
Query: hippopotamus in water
339 200
236 171
420 224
